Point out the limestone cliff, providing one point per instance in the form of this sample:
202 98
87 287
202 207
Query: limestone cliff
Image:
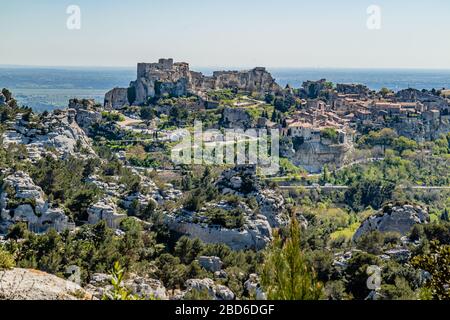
168 78
314 155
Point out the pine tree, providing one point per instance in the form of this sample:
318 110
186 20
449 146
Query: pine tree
285 273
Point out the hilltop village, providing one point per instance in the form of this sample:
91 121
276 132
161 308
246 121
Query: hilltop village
363 174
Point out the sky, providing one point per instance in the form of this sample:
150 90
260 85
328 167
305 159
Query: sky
231 33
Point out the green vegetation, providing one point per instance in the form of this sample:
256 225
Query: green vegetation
286 274
113 116
330 134
6 260
437 263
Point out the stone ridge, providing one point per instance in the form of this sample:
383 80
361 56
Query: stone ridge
168 78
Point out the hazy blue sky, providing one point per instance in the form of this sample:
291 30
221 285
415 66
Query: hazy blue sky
281 33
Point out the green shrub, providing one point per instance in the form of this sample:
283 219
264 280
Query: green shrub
6 260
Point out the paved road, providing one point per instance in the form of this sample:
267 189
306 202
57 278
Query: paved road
337 187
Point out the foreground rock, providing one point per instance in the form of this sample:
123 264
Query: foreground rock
393 218
207 286
143 287
28 284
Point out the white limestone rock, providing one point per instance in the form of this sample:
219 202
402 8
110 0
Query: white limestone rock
215 291
253 287
212 264
33 208
28 284
394 218
116 98
105 209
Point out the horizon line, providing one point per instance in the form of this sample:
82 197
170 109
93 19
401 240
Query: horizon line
193 67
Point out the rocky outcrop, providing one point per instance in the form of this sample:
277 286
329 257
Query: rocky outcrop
107 211
254 80
28 284
312 89
175 79
314 155
116 98
237 118
253 287
22 201
255 234
393 218
145 288
212 264
243 181
58 132
2 99
86 113
214 291
256 231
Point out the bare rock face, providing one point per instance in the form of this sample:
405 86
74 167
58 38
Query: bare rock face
116 98
212 264
105 210
215 291
256 231
28 284
86 113
254 80
236 118
393 219
315 154
255 234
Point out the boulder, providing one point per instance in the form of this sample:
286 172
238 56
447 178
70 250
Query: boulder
211 264
146 288
215 291
393 218
253 287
